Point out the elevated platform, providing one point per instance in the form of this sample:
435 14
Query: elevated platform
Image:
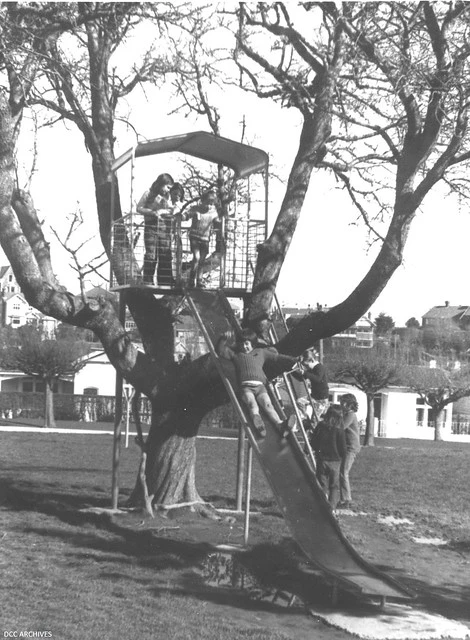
167 268
182 290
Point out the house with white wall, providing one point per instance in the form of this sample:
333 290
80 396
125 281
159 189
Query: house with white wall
399 412
11 381
15 310
97 377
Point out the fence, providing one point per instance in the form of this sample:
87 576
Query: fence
460 428
66 407
92 409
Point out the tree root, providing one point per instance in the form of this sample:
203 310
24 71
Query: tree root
204 509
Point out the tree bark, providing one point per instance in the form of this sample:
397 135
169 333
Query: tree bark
171 463
49 418
369 440
438 420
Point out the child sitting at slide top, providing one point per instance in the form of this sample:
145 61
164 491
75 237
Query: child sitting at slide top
249 362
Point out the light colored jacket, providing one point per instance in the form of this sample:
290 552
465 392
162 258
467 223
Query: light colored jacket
352 432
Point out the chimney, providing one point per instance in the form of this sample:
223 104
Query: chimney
447 303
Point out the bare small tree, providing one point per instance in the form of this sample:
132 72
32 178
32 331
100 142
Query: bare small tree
370 370
47 360
438 388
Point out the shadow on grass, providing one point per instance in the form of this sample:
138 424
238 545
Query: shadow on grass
268 507
450 601
275 567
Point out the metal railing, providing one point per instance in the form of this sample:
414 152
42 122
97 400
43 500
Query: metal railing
159 253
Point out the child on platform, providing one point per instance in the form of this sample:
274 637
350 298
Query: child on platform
203 216
156 207
249 362
177 197
177 201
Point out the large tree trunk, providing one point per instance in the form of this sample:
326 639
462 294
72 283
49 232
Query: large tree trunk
171 461
49 419
369 438
170 472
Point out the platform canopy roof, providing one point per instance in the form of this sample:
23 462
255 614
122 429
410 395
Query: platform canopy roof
243 159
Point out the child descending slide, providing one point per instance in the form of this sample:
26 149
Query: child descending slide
249 362
314 404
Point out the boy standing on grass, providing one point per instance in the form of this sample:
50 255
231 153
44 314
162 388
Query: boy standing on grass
249 362
352 436
329 444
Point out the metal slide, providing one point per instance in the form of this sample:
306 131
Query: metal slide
293 482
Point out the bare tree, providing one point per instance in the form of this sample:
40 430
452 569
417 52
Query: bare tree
438 388
377 87
46 359
370 370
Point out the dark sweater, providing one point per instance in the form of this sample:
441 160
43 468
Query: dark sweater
328 442
318 381
250 366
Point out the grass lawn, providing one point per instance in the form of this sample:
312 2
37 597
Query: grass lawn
84 577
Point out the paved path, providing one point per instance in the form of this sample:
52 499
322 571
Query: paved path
31 429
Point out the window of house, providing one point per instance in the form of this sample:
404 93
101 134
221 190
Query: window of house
90 391
15 320
16 306
40 386
27 386
10 278
364 343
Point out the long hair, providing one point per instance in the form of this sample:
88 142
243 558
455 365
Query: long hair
333 416
349 402
161 181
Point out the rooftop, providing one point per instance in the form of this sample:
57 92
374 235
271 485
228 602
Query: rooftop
447 312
